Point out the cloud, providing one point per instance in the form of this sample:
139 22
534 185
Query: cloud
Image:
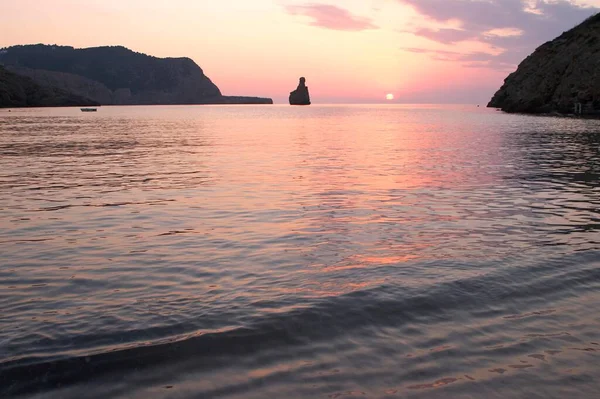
332 17
445 35
476 59
504 32
516 27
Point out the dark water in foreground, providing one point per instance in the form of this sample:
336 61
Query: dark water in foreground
279 252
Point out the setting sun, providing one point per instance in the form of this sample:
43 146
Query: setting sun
299 198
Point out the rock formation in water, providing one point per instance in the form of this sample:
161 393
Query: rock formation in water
117 75
21 91
300 96
560 76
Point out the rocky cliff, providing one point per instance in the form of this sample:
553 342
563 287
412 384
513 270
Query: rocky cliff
115 75
75 84
300 96
21 91
559 75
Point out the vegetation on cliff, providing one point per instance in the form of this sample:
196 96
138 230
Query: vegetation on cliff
115 75
562 75
21 91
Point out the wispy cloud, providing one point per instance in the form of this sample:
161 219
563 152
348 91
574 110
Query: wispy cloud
332 17
476 59
516 27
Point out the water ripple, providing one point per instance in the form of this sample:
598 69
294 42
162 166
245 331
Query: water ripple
336 251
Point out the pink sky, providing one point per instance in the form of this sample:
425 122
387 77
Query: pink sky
436 51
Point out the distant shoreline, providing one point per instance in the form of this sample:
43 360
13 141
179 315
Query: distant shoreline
267 101
51 75
554 114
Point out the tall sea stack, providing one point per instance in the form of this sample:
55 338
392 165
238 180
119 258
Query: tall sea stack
560 76
300 96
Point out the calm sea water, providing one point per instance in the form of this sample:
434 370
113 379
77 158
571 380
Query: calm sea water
280 252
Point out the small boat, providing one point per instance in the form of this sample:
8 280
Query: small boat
89 109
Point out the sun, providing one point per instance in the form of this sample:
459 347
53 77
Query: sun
389 97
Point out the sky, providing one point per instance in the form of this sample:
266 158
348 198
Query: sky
350 51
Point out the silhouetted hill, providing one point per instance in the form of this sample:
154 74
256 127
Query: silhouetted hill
20 91
115 75
558 75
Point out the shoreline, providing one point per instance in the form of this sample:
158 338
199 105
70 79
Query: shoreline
2 108
555 114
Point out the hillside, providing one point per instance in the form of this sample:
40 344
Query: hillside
114 75
557 76
20 91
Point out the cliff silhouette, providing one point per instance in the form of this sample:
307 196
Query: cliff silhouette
560 76
300 96
21 91
117 76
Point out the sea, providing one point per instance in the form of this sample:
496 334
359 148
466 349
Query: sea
330 251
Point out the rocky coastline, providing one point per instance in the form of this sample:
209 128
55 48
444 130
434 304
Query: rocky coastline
560 78
20 91
115 75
